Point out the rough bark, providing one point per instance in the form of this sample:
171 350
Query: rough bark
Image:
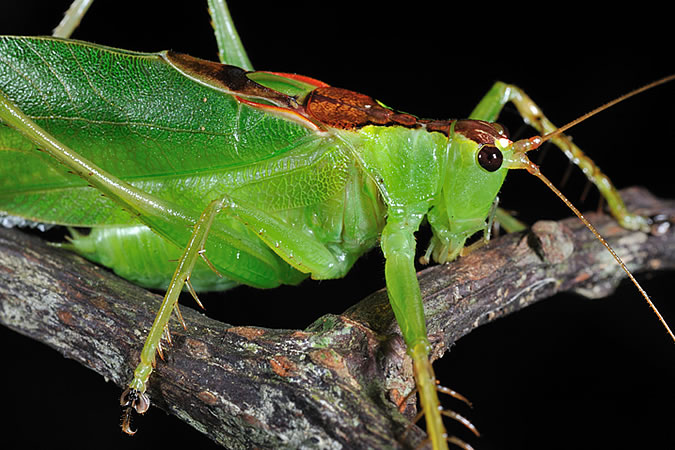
334 384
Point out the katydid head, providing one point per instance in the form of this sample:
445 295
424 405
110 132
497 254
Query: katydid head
477 152
480 154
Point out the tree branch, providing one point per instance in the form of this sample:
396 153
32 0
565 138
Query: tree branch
333 383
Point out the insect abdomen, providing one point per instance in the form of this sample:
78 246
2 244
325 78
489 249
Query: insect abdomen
137 254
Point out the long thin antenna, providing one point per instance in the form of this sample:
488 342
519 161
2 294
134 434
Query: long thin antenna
609 104
525 145
534 170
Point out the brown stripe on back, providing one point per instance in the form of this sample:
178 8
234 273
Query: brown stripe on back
342 108
441 126
331 106
230 78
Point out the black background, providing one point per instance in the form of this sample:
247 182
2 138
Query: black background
565 373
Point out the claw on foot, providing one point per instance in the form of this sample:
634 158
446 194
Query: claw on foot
132 400
660 224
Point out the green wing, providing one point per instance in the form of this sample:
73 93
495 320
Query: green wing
170 128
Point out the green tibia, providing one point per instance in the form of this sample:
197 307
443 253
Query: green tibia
424 173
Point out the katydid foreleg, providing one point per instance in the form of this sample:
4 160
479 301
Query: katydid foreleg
398 246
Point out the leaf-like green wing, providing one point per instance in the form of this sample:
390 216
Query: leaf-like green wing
135 115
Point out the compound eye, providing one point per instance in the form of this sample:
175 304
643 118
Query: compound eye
490 158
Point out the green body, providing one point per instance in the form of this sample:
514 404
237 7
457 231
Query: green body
242 165
164 156
174 137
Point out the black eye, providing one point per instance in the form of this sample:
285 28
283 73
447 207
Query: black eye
490 158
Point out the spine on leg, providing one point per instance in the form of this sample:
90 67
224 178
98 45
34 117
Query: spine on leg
426 387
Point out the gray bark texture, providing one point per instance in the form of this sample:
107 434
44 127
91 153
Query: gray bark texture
335 384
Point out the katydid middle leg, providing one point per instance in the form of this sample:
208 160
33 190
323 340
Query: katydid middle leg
134 397
301 250
501 93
